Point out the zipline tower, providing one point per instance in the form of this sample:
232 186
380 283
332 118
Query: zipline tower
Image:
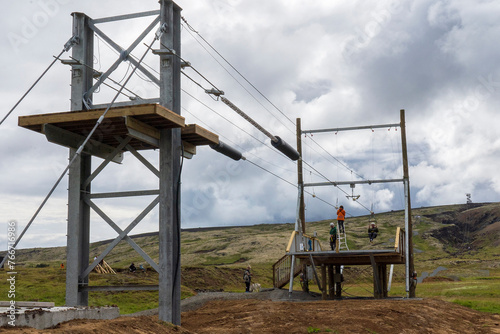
330 258
109 130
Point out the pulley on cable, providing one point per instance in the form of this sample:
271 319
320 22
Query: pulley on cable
354 197
276 141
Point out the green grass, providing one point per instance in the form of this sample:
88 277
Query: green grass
218 257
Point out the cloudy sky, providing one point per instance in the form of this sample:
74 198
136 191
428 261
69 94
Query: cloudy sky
330 63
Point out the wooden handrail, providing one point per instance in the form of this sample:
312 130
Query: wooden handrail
396 243
292 237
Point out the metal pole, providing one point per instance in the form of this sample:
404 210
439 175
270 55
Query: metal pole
170 152
78 230
292 270
391 271
410 287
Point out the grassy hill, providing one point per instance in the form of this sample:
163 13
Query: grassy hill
455 245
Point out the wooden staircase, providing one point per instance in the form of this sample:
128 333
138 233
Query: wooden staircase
281 271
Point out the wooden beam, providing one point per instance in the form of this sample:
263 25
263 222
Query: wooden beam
188 147
72 140
376 279
197 135
142 127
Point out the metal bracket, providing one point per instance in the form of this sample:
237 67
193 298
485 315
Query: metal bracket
163 52
214 91
72 41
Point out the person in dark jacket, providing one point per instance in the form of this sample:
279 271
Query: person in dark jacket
333 236
372 231
247 277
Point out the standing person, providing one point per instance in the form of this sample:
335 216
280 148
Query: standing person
333 236
372 231
247 277
341 218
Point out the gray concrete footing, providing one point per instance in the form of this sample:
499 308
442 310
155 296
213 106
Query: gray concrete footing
43 317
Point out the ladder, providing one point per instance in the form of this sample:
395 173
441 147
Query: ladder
342 238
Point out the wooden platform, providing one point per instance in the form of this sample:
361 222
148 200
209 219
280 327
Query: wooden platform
346 258
141 122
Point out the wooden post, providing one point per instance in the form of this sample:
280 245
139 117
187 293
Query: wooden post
300 178
324 294
377 288
305 283
331 284
338 284
383 279
409 230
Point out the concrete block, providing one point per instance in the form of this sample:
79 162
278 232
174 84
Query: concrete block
43 318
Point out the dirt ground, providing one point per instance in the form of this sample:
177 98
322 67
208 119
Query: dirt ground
273 312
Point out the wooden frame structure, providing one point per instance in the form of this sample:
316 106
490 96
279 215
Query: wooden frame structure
378 259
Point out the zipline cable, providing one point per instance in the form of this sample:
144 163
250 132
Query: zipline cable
72 41
239 73
80 149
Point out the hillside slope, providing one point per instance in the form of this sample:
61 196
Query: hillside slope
467 233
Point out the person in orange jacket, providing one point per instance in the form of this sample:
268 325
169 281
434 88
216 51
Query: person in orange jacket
341 218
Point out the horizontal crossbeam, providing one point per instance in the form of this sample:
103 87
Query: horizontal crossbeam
365 127
343 183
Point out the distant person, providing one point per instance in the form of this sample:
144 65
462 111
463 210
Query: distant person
341 218
132 268
141 268
372 231
333 236
62 265
247 277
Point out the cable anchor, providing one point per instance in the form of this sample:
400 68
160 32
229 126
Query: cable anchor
72 41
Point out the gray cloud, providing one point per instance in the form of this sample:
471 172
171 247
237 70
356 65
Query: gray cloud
333 65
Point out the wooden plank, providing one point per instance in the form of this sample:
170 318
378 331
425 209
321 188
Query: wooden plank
137 125
396 242
290 241
93 115
197 135
188 147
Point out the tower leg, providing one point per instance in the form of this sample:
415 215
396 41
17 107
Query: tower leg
77 252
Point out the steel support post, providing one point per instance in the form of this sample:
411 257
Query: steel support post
78 232
170 152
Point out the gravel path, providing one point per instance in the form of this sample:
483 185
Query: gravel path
195 302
